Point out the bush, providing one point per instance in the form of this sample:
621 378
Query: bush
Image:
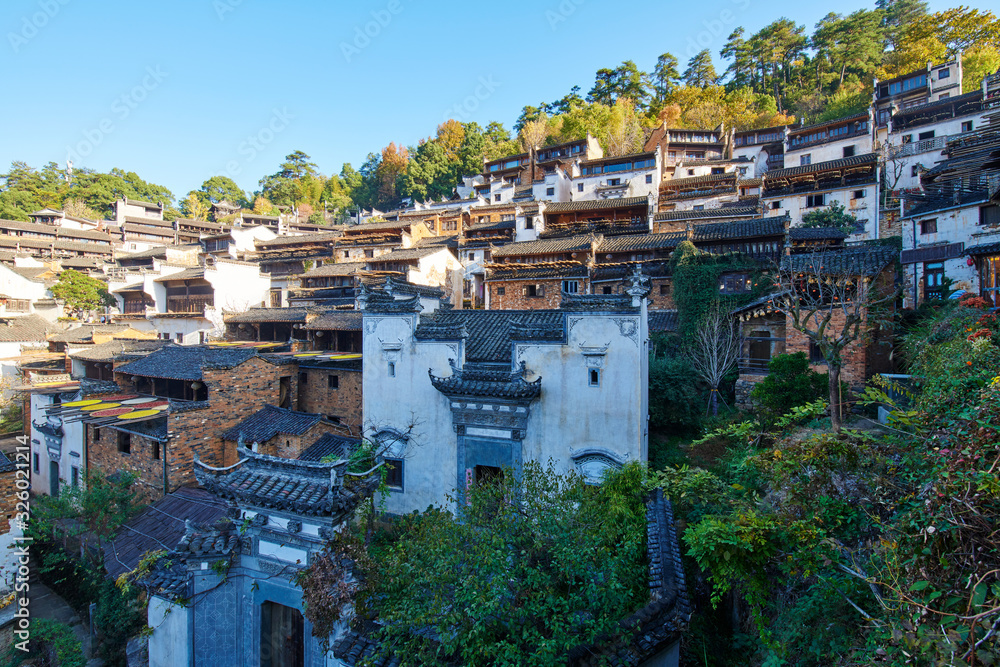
52 644
675 402
789 383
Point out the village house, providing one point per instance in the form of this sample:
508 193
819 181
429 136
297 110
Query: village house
684 149
931 84
768 331
627 176
280 432
24 290
764 147
497 389
951 227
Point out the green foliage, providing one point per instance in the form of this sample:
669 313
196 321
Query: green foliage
675 401
52 643
832 216
790 382
532 566
81 292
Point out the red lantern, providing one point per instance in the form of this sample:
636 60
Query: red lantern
970 261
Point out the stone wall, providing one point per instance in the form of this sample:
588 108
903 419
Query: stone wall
291 446
144 459
342 405
8 499
514 298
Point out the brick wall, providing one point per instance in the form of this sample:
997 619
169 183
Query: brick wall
291 446
233 395
661 295
144 459
514 298
344 401
854 356
8 500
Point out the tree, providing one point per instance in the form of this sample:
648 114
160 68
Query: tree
700 71
194 208
77 209
715 349
957 29
835 302
665 76
534 133
740 71
833 216
223 188
81 292
625 133
626 80
530 566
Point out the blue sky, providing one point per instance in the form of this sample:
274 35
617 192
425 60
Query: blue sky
180 90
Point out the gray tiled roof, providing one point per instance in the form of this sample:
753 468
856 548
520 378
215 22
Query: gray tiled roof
406 255
636 242
984 249
186 274
182 362
85 332
595 204
489 332
537 271
268 422
676 183
866 260
547 246
117 349
740 229
160 526
330 444
336 320
663 321
729 212
269 315
337 269
818 233
25 329
854 161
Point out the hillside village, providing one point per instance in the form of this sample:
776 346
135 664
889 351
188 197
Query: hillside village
246 365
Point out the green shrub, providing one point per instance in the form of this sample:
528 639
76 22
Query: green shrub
675 401
789 383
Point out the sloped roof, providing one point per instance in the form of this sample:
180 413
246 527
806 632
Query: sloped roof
182 362
740 229
816 233
336 320
866 260
337 269
853 161
160 526
406 254
546 246
85 332
329 444
186 274
663 321
117 349
269 315
635 242
595 204
25 329
488 331
269 421
727 212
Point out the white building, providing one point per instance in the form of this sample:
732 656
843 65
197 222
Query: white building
460 396
637 175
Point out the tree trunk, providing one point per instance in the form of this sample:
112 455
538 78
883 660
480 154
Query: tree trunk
835 402
714 402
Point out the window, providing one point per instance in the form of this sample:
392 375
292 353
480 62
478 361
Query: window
179 337
534 290
394 473
281 636
333 381
805 159
698 207
664 290
347 254
775 205
550 191
934 280
967 126
370 253
579 187
496 197
333 418
735 283
529 222
815 354
501 291
595 377
392 369
690 172
914 170
35 462
859 194
907 138
571 286
718 170
606 290
613 182
156 451
989 215
124 442
928 226
848 151
812 201
303 378
944 74
74 476
472 256
944 96
925 135
97 434
649 178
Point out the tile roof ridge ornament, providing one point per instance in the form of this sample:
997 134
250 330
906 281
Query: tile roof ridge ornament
639 285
